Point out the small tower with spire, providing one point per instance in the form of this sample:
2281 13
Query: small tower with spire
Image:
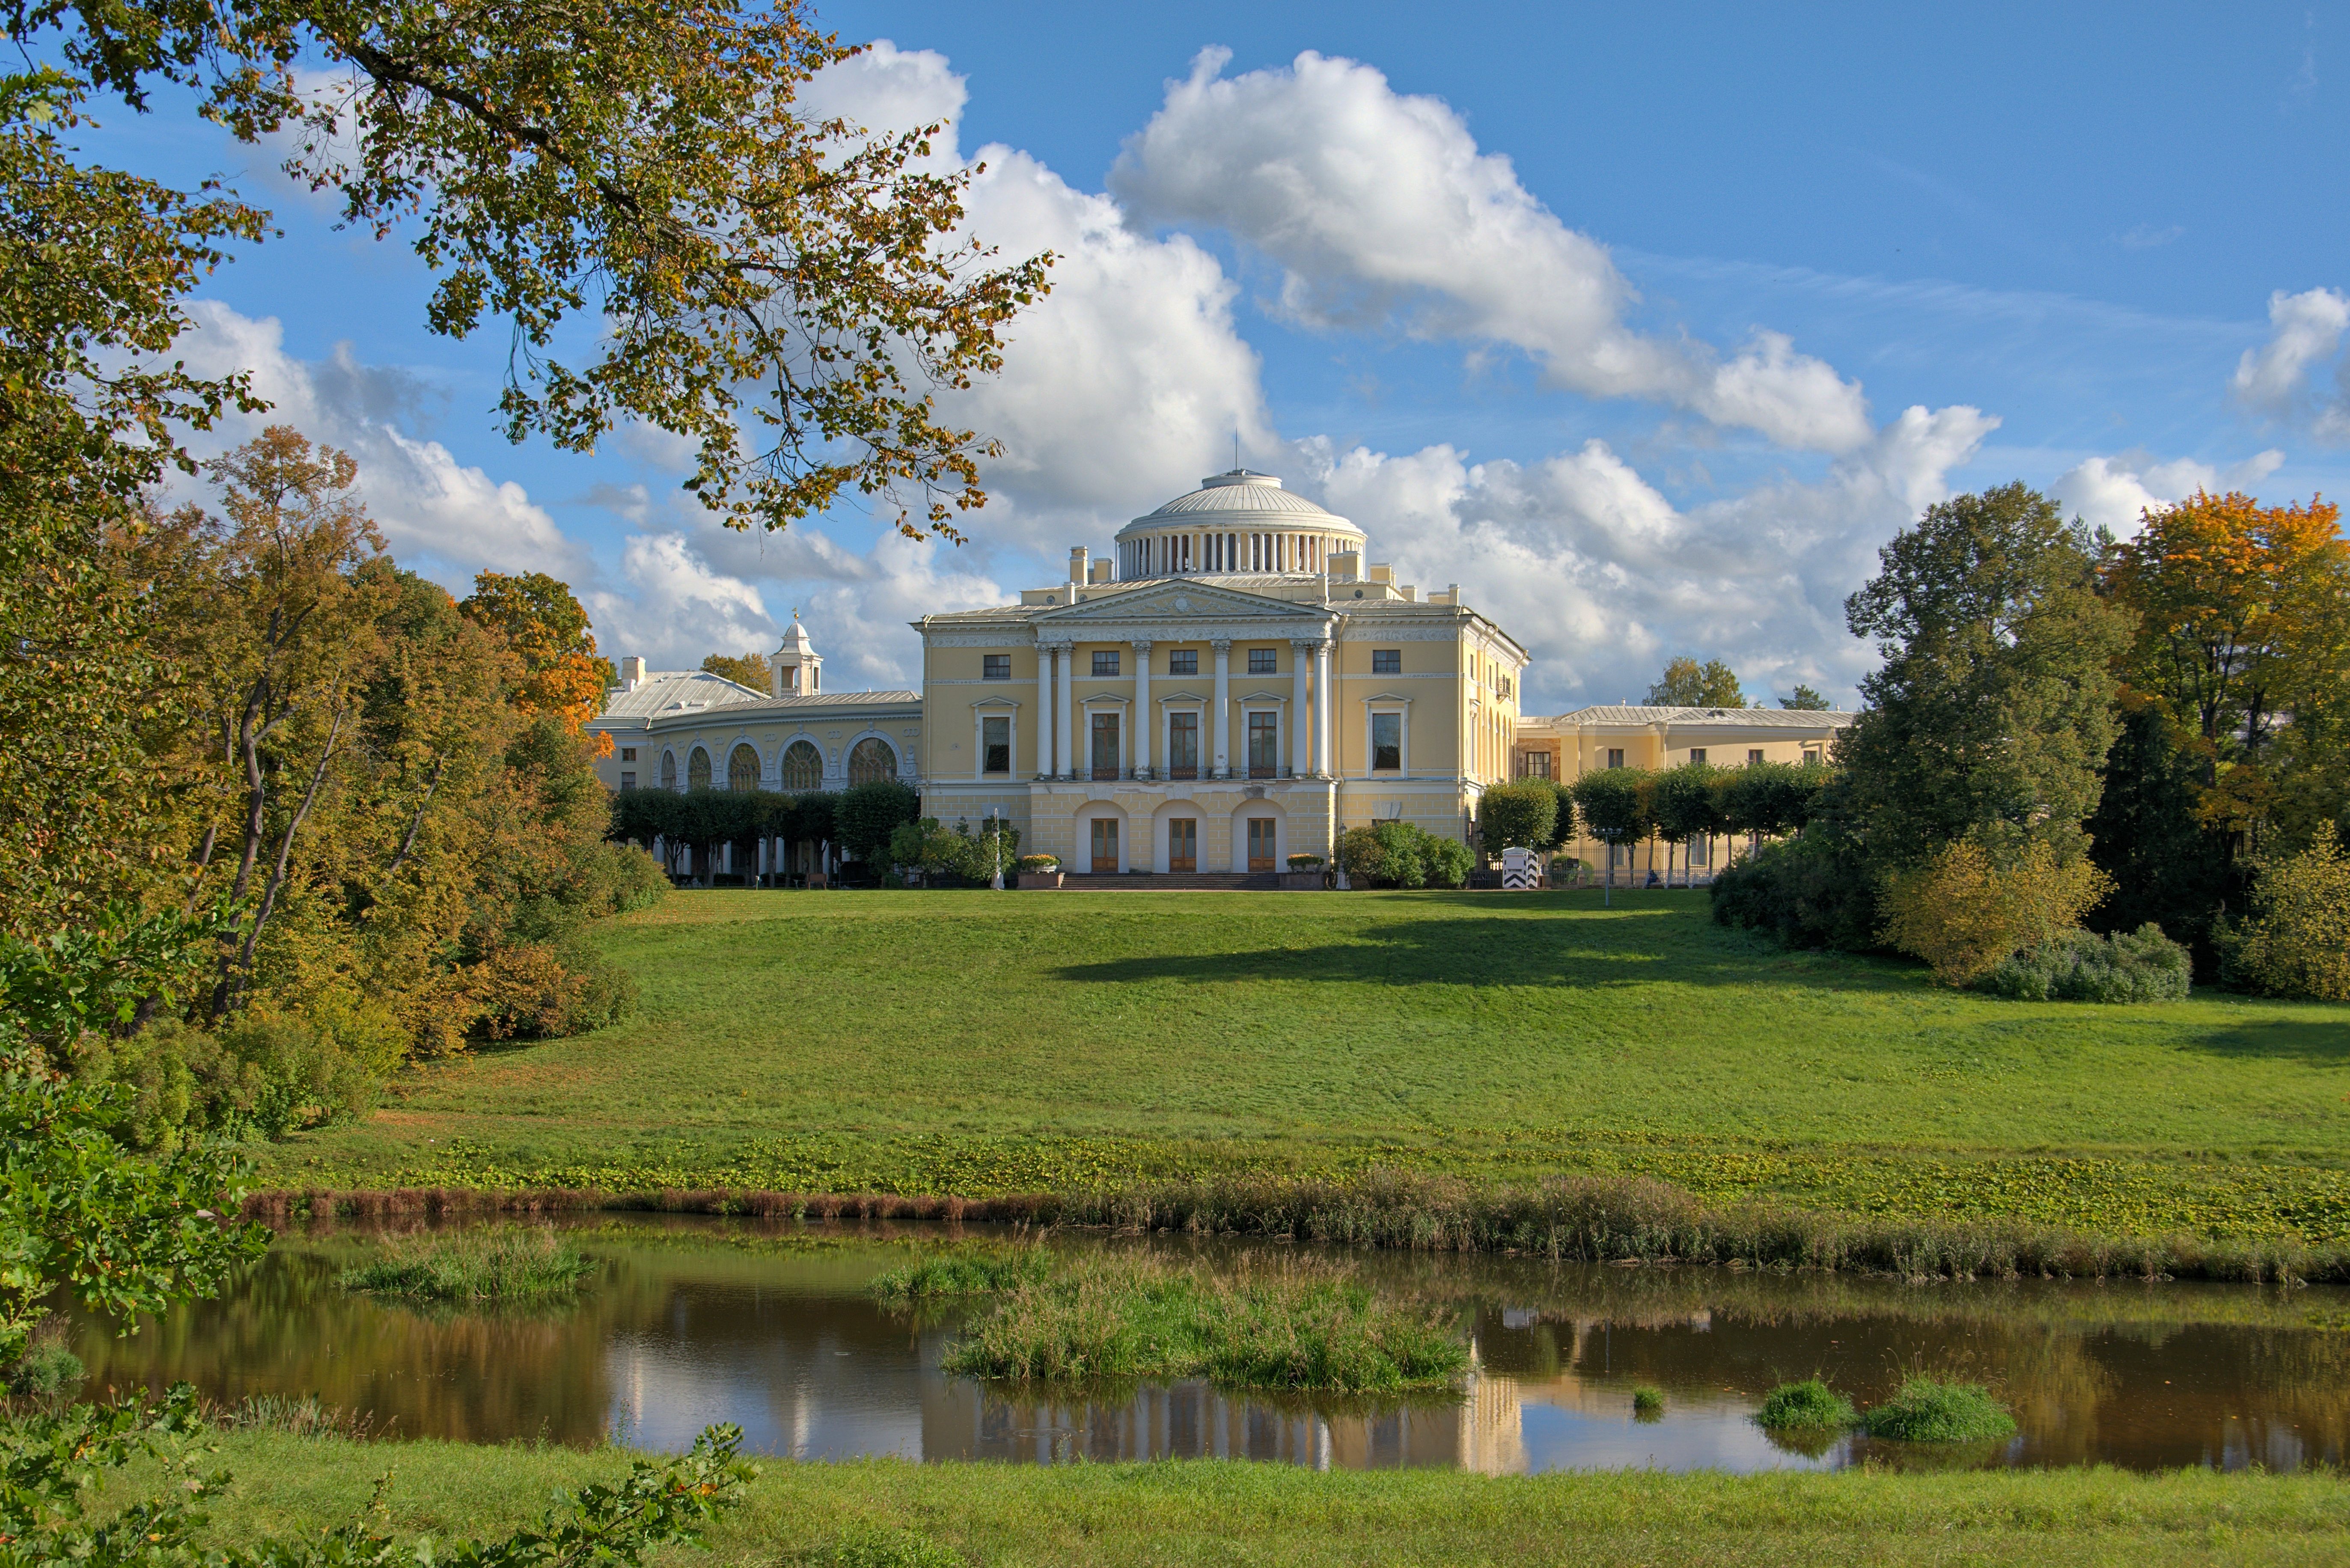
793 672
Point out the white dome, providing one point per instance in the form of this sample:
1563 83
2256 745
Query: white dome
1236 523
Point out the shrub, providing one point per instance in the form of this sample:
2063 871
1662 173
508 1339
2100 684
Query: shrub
503 1263
1304 862
1647 1404
544 991
2295 939
1447 861
1928 1411
630 878
1807 892
1963 911
1034 863
45 1370
1522 814
265 1073
2143 965
1810 1404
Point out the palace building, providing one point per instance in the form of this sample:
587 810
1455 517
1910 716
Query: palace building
1233 684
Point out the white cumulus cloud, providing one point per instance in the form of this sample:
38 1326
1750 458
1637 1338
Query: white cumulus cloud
2305 329
2116 493
1380 207
1602 578
426 502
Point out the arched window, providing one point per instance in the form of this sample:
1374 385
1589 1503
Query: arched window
872 762
668 770
803 767
697 770
742 770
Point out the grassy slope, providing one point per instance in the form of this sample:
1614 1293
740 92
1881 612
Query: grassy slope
1238 1513
961 1042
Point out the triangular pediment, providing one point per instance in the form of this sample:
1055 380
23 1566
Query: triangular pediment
1180 601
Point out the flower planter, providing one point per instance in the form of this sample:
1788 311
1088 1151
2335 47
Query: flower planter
1039 879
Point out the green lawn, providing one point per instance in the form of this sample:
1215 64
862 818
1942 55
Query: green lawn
963 1043
1229 1512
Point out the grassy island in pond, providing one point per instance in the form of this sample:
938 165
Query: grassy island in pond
1307 1324
495 1263
978 1044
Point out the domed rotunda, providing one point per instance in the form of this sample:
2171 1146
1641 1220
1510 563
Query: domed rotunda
1240 522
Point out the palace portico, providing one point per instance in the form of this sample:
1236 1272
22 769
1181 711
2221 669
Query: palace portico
1231 688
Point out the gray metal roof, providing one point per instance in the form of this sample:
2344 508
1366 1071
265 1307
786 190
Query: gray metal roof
1636 715
663 693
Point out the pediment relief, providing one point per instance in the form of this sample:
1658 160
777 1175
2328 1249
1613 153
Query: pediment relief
1182 602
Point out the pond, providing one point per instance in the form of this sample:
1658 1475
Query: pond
769 1326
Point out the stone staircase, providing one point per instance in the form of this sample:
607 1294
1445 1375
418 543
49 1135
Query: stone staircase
1171 881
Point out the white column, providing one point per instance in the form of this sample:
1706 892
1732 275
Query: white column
1063 747
1043 709
1140 722
1301 722
1322 710
1223 708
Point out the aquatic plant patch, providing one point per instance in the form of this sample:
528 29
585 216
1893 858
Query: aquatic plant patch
1930 1410
1810 1404
966 1272
1303 1325
490 1263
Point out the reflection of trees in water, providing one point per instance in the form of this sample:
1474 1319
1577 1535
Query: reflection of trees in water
2084 1366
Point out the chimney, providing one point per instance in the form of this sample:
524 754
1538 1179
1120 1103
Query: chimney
1101 571
632 670
1077 568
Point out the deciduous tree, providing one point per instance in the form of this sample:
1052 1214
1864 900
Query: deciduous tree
2244 636
1687 684
634 188
1993 710
742 669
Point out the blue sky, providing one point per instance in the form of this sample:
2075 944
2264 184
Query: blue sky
1617 319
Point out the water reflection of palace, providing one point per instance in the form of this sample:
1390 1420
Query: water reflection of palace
1194 1420
790 1347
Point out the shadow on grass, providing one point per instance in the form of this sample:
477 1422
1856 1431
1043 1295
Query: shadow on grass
2316 1042
1504 951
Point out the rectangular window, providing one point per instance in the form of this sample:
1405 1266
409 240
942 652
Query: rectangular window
1183 844
627 781
1535 765
995 746
628 753
1812 753
995 667
1701 852
1615 756
1263 745
1697 754
1105 661
1386 661
1105 746
1105 846
1184 661
1183 745
1387 741
1261 662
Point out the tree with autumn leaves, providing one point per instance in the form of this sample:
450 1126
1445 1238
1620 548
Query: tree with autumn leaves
2235 754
